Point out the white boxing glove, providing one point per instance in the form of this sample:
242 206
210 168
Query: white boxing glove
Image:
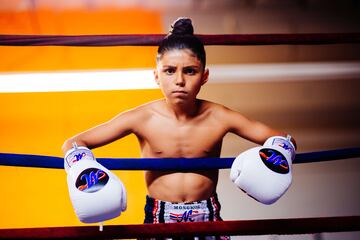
95 192
265 173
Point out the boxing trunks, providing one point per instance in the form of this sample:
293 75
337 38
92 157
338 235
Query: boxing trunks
157 211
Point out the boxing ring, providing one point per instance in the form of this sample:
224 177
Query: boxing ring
242 227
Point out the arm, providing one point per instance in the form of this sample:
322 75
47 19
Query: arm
253 131
263 172
118 127
85 175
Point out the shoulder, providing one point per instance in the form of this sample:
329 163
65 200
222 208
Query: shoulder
214 109
228 117
145 110
150 107
132 118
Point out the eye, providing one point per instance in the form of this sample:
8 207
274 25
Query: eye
169 71
190 71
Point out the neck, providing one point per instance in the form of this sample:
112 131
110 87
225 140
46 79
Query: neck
184 111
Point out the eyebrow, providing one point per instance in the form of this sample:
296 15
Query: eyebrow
190 66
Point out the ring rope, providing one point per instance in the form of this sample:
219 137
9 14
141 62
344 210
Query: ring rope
155 39
242 227
26 160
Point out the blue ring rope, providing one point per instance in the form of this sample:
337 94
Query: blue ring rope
26 160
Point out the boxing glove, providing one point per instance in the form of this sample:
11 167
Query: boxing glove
96 193
265 173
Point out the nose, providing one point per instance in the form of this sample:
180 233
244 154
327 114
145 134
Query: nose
180 81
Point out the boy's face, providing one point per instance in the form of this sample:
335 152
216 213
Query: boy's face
180 75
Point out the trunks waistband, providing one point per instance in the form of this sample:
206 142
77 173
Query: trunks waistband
157 211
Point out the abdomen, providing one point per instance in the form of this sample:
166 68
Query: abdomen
181 186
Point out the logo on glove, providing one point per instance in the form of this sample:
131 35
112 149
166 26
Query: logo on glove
274 160
91 180
75 157
285 145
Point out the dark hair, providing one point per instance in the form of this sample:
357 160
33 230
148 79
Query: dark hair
181 36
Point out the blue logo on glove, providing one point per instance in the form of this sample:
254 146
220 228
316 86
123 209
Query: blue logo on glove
79 156
274 160
91 180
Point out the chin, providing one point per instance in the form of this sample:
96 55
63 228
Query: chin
180 101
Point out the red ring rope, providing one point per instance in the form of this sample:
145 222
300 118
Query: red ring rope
154 39
242 227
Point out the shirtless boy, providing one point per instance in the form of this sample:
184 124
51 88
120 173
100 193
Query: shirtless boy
178 126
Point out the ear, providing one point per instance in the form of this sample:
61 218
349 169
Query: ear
205 76
156 76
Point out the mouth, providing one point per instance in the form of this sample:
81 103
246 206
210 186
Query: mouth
179 92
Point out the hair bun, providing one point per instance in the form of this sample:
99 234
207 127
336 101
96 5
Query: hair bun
182 26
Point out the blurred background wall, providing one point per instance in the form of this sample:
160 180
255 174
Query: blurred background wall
320 112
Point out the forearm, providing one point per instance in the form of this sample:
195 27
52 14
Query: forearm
261 132
116 128
258 132
251 130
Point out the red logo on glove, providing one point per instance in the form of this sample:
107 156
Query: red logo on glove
274 160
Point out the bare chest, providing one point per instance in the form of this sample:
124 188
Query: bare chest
163 138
